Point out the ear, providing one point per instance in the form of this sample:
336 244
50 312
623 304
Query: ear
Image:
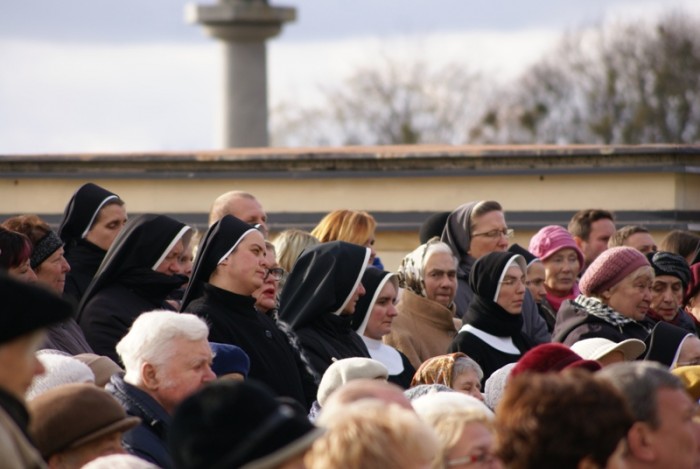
640 442
605 295
579 242
149 376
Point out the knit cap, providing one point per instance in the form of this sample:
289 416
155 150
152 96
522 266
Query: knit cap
551 239
229 359
59 370
348 369
613 265
669 263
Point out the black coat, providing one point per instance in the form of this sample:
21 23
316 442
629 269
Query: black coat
148 440
84 259
233 320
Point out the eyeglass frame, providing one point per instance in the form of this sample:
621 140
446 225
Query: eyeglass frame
481 458
277 273
493 234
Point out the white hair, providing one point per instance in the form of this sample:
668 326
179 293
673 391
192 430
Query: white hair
150 339
438 247
119 461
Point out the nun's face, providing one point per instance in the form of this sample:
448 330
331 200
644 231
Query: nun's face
109 222
489 234
171 264
631 297
383 313
512 292
350 306
247 265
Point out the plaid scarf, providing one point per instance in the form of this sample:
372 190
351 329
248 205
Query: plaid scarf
595 307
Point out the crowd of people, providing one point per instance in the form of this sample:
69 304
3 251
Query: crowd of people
138 342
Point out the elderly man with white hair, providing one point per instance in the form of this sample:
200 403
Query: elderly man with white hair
166 358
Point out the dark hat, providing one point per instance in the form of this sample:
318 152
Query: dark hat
608 269
433 226
229 359
72 415
665 343
668 263
237 424
27 308
529 257
82 209
551 357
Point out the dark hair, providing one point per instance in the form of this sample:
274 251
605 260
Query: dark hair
620 236
580 224
557 420
685 243
31 226
15 249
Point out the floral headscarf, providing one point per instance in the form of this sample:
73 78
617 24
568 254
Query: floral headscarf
411 269
437 370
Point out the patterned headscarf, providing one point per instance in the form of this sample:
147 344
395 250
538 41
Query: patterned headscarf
412 266
437 370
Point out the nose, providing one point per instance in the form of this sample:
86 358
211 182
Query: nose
31 275
209 375
391 311
361 290
66 266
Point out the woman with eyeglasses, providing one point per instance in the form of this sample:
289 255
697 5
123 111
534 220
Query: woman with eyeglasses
231 266
473 230
562 260
492 333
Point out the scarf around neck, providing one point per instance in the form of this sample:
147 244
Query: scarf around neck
595 307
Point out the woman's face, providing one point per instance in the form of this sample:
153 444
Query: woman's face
246 267
467 382
475 448
383 313
561 270
171 264
632 296
693 306
109 222
689 354
23 272
512 292
52 272
440 278
369 244
535 281
488 234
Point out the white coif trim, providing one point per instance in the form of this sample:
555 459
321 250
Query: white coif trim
357 283
235 245
503 344
172 244
94 215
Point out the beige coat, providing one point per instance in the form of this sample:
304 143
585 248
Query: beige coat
423 328
15 449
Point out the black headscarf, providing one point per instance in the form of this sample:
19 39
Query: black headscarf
323 281
669 263
81 212
137 250
484 313
373 280
220 240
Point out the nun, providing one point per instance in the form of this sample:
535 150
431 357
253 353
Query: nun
374 315
91 221
231 265
141 269
492 332
319 299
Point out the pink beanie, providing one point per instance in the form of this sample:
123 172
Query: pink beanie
551 239
610 268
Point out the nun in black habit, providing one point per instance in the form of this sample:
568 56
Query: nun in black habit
84 247
374 313
230 266
129 282
319 298
492 332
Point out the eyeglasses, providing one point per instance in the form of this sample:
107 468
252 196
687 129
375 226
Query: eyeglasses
277 273
483 457
505 232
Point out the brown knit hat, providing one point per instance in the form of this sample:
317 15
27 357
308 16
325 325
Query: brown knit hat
75 414
610 268
103 367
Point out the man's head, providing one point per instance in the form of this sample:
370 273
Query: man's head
76 423
634 236
592 229
167 355
664 433
241 205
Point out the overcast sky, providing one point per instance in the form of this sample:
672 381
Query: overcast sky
128 75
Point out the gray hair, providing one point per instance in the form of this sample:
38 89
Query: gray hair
220 207
150 339
463 364
437 247
640 382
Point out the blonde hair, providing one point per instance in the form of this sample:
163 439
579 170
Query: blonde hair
449 426
352 226
370 434
289 244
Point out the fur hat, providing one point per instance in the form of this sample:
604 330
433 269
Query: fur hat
668 263
690 375
237 424
551 357
613 265
103 367
598 347
348 369
229 359
665 343
551 239
75 414
59 369
27 308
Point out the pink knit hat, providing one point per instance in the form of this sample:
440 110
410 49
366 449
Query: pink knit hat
610 268
551 239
